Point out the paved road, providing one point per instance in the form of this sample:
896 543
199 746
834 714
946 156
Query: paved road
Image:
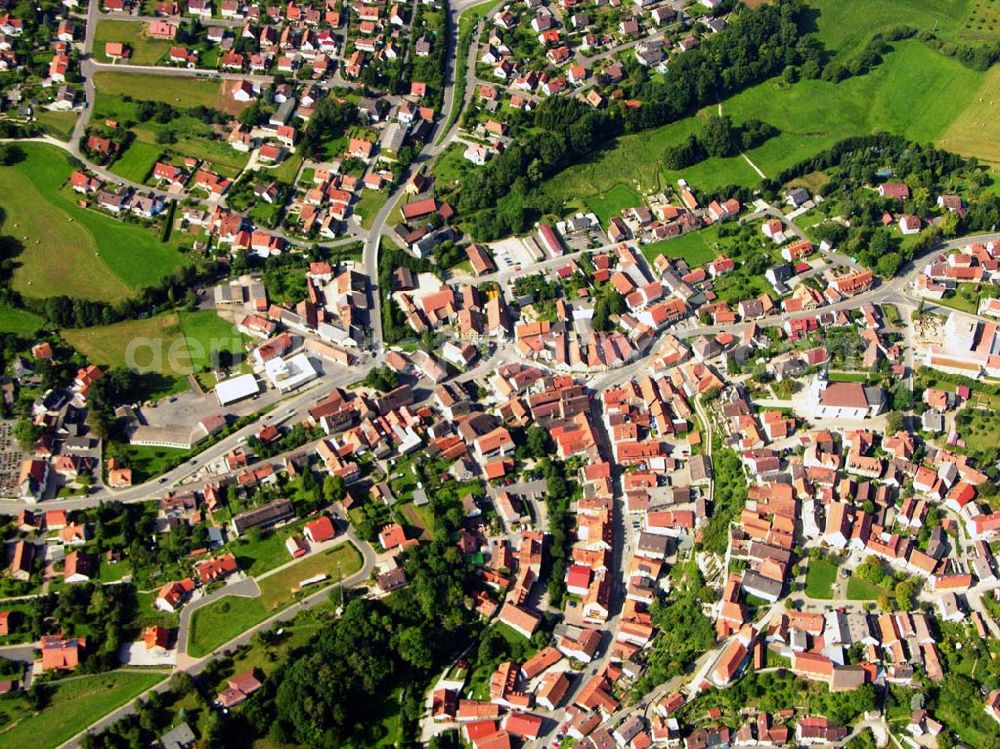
292 408
436 143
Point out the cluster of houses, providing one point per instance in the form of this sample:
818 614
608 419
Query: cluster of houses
664 292
65 450
969 342
909 223
975 264
278 39
568 37
329 323
844 491
969 346
470 314
118 201
663 220
53 537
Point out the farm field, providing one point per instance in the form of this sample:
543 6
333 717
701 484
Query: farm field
981 21
78 702
39 206
144 51
419 517
812 115
976 130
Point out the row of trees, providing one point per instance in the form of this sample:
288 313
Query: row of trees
718 137
558 494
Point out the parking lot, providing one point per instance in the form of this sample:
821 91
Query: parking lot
10 460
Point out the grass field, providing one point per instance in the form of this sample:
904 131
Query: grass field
452 165
369 205
862 590
175 90
287 169
634 155
137 161
14 320
278 590
697 247
191 137
57 124
148 462
145 51
813 115
848 376
75 704
268 552
820 578
72 250
173 344
222 620
846 25
613 202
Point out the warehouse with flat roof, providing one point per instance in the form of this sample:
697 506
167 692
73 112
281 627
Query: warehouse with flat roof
236 389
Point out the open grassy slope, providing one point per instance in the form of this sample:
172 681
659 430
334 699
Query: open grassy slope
76 703
916 92
845 26
69 249
976 129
